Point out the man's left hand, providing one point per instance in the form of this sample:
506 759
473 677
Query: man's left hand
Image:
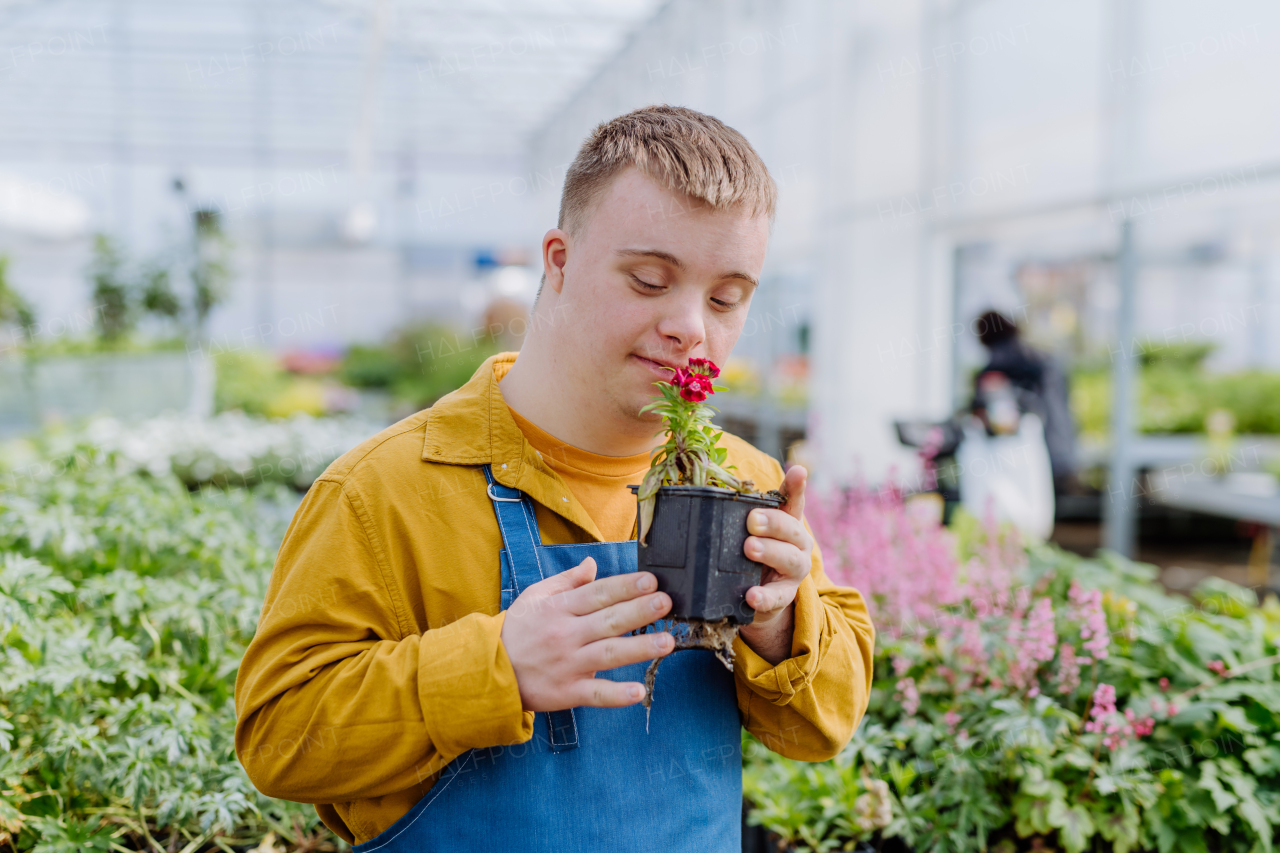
780 541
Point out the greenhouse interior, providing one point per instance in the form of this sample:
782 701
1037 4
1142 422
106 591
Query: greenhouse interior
1002 383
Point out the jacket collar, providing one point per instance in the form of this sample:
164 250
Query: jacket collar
473 426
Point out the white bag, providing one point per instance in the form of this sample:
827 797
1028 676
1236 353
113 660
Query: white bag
1010 474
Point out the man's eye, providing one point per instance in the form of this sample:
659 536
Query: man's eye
646 284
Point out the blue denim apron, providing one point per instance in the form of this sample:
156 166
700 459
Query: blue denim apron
591 780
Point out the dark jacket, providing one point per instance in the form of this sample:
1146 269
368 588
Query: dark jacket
1044 390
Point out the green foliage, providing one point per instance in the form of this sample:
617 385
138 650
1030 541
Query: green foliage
112 295
370 367
126 602
14 309
253 381
229 449
690 456
1177 396
210 267
158 296
1188 355
247 380
125 289
998 768
421 363
37 348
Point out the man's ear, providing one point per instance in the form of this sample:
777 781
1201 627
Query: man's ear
555 254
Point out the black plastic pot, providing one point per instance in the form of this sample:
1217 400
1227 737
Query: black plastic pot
694 547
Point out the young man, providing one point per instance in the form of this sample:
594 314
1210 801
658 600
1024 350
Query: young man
445 658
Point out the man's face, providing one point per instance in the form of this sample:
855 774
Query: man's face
651 277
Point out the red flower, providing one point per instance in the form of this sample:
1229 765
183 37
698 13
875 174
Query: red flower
696 388
704 366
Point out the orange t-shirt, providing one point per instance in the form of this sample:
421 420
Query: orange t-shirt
598 482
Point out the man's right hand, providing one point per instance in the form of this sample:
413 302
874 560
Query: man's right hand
561 631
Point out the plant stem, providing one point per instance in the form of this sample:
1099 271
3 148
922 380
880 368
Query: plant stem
1088 705
197 841
1084 792
1088 708
146 832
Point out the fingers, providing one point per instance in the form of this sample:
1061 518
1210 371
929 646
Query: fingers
772 596
793 486
626 616
583 573
783 557
603 693
606 592
779 525
622 651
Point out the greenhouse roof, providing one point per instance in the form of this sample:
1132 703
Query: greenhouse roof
381 84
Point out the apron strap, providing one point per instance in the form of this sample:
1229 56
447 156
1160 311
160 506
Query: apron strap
519 525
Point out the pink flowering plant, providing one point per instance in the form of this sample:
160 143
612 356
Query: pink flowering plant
690 456
1030 699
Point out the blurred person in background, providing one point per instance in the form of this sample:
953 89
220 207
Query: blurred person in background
1017 372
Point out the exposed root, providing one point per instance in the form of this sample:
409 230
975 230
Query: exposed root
650 677
715 636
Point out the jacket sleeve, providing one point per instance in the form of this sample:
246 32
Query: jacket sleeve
808 706
333 679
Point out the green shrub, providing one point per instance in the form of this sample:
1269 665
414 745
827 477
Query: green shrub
369 367
1177 400
253 382
126 602
1182 356
247 380
1048 702
421 363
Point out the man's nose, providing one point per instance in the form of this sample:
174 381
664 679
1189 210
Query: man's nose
683 328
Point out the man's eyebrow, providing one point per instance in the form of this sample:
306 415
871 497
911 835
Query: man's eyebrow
678 264
744 277
653 253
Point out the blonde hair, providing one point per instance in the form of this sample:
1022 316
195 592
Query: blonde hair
682 150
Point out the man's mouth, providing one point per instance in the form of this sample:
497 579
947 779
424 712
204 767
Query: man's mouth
656 367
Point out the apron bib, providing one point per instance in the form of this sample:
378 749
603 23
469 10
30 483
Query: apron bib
591 780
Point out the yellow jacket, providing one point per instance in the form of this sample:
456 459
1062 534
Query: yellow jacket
378 657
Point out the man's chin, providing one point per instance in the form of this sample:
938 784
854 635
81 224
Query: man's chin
650 417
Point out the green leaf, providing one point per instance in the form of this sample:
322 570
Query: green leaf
1253 815
1075 826
70 835
1032 815
902 776
1264 761
1223 799
1121 828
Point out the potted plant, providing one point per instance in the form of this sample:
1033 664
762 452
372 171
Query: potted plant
692 518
